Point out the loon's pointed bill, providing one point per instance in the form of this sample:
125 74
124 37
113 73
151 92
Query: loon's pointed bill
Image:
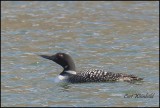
47 57
70 74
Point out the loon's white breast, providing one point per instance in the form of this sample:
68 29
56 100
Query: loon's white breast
65 77
62 77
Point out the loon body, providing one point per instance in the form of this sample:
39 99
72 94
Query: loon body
69 73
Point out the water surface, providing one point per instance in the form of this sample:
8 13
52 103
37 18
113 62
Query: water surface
117 36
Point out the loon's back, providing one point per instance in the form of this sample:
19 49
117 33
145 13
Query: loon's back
95 75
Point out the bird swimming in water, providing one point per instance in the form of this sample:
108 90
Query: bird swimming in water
69 73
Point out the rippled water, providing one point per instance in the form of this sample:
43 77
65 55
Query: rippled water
115 36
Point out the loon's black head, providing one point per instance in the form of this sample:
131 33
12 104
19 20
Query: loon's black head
62 59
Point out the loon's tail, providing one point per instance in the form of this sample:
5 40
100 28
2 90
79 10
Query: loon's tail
130 78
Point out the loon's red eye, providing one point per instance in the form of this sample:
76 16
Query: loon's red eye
60 55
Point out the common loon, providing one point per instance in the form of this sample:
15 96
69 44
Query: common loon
69 74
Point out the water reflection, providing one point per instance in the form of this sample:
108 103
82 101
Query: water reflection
65 87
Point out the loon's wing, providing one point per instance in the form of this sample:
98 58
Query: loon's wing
95 75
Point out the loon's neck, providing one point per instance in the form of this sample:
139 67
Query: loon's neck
69 69
70 66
